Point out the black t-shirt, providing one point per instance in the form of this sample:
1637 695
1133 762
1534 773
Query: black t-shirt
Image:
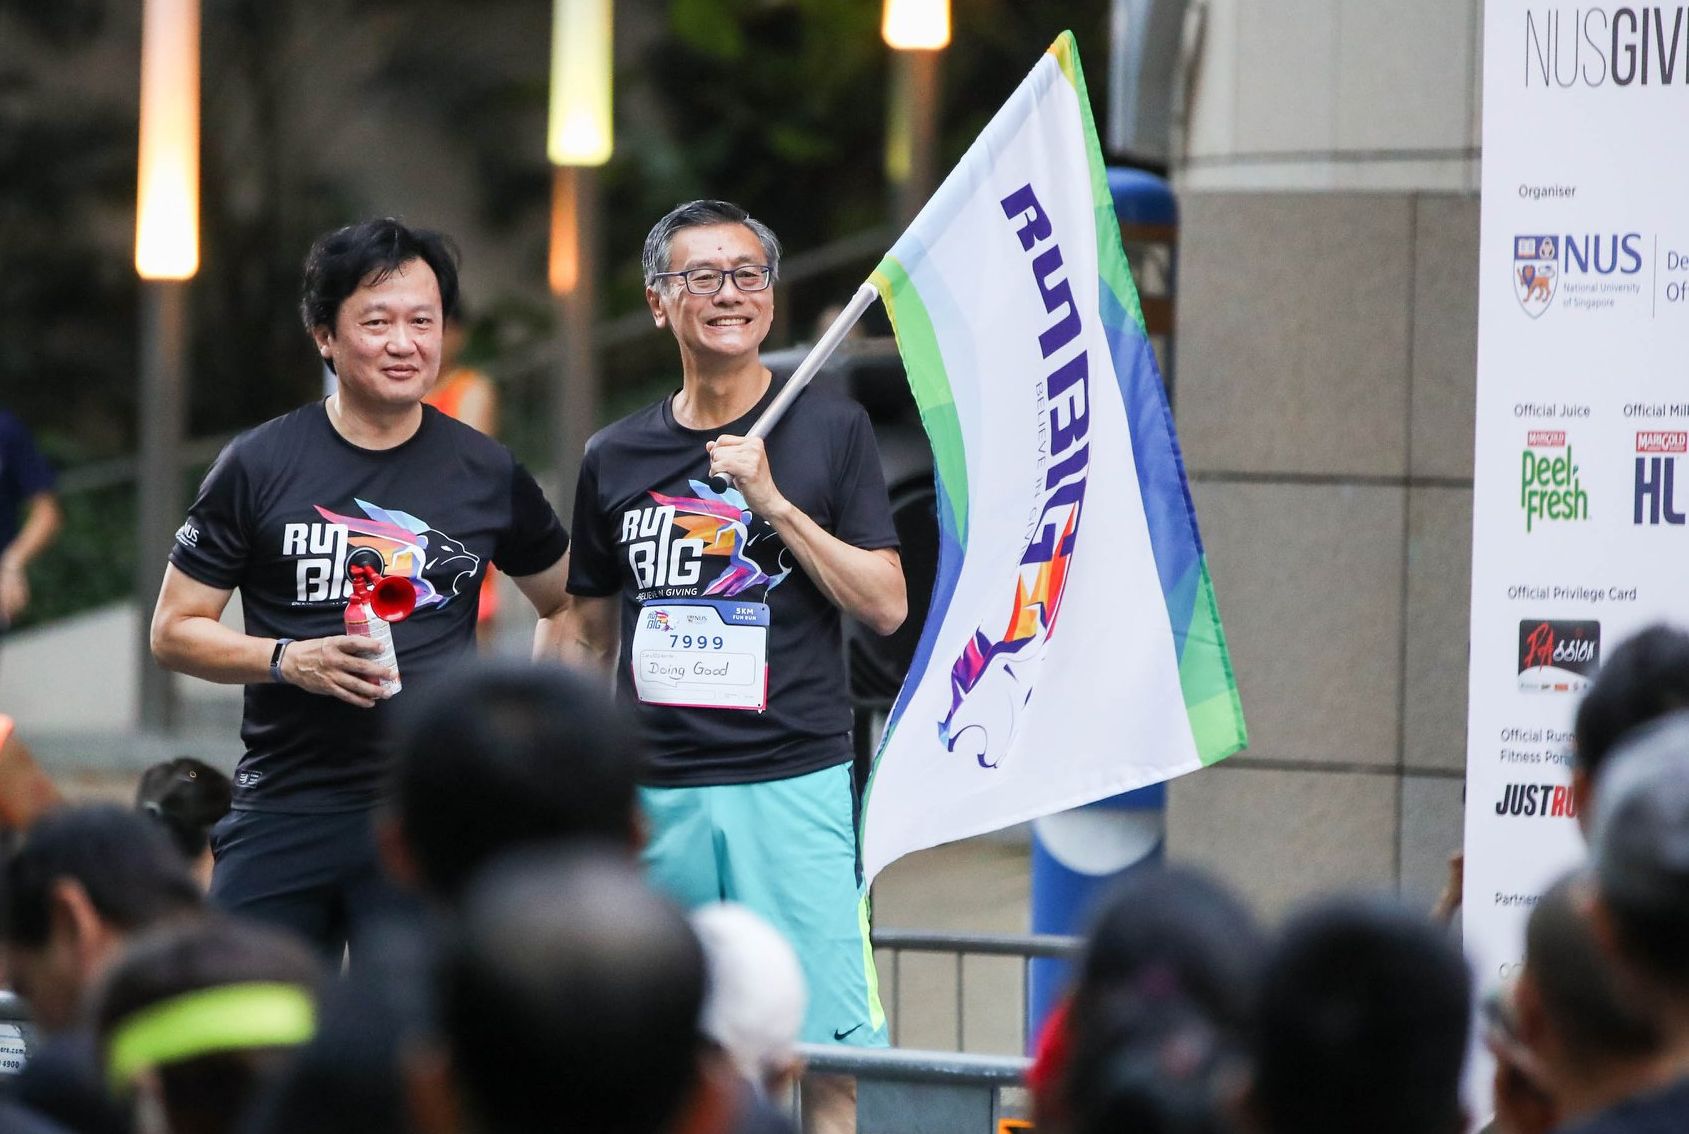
823 458
286 508
1659 1112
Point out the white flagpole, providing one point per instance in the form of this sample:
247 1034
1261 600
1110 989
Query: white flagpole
815 359
809 367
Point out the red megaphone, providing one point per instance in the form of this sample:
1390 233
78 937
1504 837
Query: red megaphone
393 598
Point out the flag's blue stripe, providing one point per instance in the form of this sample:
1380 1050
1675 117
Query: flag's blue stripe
1168 510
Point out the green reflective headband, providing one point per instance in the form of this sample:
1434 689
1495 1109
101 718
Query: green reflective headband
231 1017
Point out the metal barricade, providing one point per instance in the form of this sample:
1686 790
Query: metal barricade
922 1092
1025 947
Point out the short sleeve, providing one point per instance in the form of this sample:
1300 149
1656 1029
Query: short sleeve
213 543
864 511
29 470
593 570
535 538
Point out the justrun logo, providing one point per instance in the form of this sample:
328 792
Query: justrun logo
1539 801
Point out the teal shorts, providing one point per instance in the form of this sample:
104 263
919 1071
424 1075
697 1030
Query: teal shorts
787 850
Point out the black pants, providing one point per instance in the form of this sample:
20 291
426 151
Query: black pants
317 875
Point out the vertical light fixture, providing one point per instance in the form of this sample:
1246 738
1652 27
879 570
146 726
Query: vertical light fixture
579 131
166 257
917 31
579 136
167 203
916 25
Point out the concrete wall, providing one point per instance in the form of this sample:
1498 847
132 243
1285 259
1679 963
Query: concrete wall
1326 353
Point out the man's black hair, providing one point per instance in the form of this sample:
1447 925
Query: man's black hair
1361 1025
132 874
1639 850
187 797
342 260
1645 678
1586 1007
212 1092
510 755
571 988
1163 997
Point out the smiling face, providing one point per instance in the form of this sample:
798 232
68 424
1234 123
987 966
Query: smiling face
730 324
385 342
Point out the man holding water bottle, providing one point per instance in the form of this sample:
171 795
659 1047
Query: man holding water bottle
369 480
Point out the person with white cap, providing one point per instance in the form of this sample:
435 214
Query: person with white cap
754 1008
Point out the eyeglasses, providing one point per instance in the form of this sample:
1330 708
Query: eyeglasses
708 281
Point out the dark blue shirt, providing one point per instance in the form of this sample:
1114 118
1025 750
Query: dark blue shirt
24 473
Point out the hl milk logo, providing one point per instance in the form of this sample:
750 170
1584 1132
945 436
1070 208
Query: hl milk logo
1656 476
997 670
1549 485
1557 655
1536 259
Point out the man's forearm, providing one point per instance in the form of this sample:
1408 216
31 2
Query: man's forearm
865 584
39 527
205 648
588 636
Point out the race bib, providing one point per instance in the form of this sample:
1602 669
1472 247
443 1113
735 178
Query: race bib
702 654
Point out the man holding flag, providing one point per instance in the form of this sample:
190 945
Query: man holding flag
720 605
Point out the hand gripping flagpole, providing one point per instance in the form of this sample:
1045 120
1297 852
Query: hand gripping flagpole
808 368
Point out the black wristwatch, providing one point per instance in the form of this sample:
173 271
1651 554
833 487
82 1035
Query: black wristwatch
275 660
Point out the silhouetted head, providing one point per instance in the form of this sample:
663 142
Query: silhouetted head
1645 678
1362 1025
195 1019
508 756
1157 1016
1639 854
571 988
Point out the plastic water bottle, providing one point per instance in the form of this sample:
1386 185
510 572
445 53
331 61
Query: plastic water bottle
363 622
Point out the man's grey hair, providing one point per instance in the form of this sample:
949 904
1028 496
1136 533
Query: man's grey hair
695 214
1639 847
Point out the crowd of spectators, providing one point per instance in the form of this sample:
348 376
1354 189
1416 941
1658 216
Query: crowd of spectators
532 979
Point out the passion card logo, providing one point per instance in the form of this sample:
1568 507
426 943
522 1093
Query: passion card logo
995 675
1656 476
1558 656
1549 485
387 540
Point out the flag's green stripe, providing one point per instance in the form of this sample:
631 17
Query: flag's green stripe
1209 685
918 343
1111 257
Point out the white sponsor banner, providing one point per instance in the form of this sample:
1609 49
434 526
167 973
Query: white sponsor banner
1579 499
